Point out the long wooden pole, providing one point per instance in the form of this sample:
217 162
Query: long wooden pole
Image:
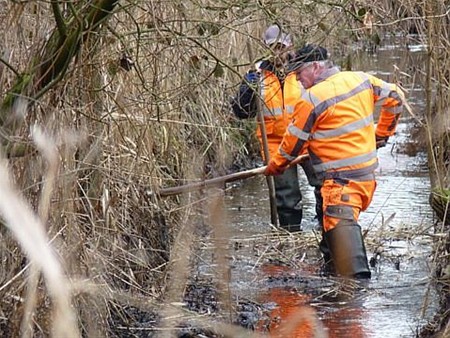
265 146
220 181
270 179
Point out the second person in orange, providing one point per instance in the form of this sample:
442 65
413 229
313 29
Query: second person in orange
277 93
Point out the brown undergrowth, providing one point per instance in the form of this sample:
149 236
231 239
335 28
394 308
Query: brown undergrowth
141 103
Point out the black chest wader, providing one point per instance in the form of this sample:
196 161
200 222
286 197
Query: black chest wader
346 244
289 197
315 182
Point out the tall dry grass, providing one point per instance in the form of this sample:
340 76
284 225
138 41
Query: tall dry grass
144 105
30 232
428 23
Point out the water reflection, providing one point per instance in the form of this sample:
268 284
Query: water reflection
298 314
291 306
291 314
346 321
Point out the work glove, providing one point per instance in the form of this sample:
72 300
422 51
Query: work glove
252 77
273 170
381 141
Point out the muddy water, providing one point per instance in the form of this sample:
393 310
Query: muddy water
398 299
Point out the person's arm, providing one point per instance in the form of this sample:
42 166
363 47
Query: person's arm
295 139
390 97
244 104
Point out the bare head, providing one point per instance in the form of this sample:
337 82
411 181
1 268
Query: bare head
309 63
279 43
310 71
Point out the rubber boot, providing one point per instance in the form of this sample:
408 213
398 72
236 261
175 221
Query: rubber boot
347 250
327 268
291 227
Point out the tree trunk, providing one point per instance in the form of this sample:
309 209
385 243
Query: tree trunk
48 68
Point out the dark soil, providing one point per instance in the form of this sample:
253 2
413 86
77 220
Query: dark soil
132 322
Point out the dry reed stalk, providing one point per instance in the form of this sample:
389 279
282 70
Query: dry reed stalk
179 265
168 106
47 147
178 277
437 35
220 241
30 233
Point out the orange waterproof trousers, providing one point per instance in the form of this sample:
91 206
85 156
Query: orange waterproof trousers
351 197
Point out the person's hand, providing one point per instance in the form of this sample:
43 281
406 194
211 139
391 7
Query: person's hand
273 170
381 141
252 77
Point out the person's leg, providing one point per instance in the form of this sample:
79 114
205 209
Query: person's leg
343 201
315 182
289 198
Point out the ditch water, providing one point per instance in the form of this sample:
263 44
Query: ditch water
398 299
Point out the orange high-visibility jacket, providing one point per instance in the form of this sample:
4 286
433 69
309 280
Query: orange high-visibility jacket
277 105
334 120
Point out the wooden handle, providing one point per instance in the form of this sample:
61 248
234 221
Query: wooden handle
217 181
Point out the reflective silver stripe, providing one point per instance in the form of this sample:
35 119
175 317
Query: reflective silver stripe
286 155
261 88
268 112
272 112
344 129
306 95
367 177
324 105
289 109
277 111
383 93
298 132
394 110
361 174
345 162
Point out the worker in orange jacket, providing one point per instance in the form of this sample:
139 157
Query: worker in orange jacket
334 122
278 94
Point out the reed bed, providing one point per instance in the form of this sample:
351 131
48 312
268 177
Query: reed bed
143 103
